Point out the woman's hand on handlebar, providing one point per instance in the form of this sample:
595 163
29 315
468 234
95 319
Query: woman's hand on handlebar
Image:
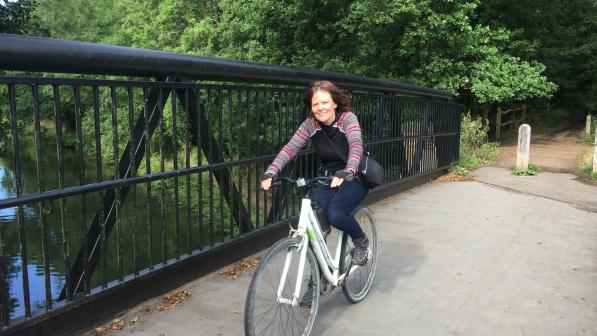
339 177
336 182
266 181
265 184
270 179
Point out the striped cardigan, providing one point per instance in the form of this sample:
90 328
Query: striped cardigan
348 124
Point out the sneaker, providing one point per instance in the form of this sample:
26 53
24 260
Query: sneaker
361 251
307 299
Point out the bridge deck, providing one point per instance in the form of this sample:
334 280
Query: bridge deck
486 260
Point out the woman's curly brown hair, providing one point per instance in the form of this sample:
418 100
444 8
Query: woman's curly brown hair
340 98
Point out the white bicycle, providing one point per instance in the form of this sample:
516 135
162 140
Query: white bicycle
303 260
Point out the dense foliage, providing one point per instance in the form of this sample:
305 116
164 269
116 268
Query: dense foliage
488 53
562 35
485 52
431 43
15 17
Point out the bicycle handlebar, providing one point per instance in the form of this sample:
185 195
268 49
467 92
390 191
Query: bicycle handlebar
301 182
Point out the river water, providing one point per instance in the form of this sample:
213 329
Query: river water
9 227
75 227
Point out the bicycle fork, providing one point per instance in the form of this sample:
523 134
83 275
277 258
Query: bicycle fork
303 255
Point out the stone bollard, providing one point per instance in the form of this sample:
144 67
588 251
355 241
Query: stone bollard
524 147
588 125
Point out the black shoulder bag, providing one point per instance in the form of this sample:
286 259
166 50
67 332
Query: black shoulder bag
370 172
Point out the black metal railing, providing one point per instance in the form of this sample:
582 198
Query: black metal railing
104 180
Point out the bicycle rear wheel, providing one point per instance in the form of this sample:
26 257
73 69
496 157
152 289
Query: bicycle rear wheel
356 286
264 313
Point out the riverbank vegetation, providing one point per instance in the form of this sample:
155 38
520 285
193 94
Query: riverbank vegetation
475 149
586 167
541 54
586 163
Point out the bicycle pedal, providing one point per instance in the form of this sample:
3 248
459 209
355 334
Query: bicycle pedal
305 305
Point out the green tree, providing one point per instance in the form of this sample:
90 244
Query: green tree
159 24
564 39
90 21
15 16
136 23
281 32
487 52
442 47
444 44
431 43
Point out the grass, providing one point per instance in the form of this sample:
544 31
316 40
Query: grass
532 170
460 170
590 138
586 167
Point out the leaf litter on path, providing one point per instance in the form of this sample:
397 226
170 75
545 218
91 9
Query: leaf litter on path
171 300
168 301
451 177
240 267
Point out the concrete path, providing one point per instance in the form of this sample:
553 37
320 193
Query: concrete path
501 255
562 187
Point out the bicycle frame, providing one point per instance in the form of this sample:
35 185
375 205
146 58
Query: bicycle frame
309 232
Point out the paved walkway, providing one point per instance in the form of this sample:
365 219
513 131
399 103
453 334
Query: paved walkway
500 255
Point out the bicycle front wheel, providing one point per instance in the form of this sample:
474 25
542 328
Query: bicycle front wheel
358 282
266 313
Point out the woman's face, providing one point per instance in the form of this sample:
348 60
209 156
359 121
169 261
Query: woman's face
323 107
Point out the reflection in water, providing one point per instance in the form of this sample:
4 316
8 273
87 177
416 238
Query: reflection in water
14 281
37 287
130 223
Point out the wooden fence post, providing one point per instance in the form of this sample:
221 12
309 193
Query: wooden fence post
524 144
524 113
498 123
588 125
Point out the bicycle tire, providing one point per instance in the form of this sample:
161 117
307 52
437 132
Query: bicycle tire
357 284
263 314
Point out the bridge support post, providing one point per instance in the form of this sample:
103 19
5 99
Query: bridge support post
89 253
201 126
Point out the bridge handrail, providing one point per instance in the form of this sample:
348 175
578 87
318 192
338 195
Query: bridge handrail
27 53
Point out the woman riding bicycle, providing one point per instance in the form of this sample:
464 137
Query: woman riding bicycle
335 131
